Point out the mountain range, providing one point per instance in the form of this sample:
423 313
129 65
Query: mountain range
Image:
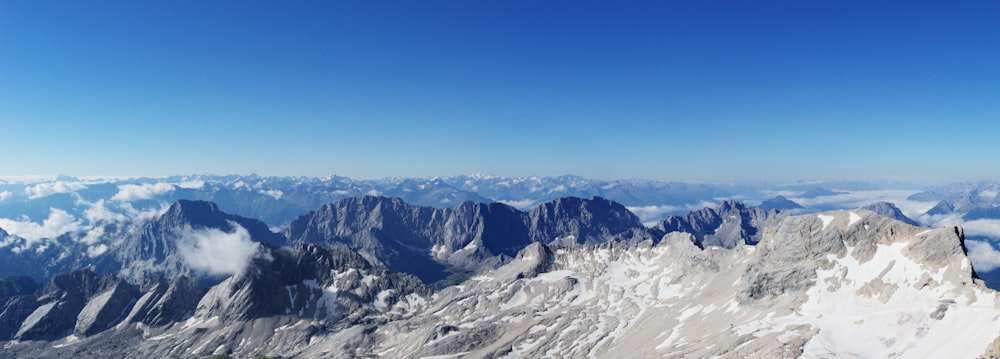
378 276
578 277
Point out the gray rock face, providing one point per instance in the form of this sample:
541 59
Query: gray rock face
572 221
320 283
66 297
426 241
729 224
890 210
105 309
166 301
787 259
17 301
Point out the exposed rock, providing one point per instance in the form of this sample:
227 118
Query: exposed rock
426 241
165 302
106 308
729 224
890 210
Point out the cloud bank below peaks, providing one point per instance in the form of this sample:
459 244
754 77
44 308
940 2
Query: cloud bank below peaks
138 192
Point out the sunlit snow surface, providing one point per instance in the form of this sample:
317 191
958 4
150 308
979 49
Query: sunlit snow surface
675 300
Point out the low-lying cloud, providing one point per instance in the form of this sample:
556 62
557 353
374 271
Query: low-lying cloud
274 193
216 252
137 192
58 223
50 188
855 199
984 257
99 212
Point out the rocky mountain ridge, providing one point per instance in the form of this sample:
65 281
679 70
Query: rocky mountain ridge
902 289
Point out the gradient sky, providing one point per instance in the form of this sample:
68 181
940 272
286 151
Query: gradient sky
672 90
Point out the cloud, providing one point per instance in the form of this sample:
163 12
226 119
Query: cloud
144 214
519 204
276 194
93 235
94 251
5 195
133 192
984 257
193 184
982 227
50 188
58 223
216 252
653 214
98 212
855 199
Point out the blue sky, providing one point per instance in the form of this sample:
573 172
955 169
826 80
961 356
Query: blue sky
673 90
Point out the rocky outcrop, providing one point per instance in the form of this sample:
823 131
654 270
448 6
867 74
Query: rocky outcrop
428 241
890 210
573 221
166 301
308 281
80 302
729 224
106 308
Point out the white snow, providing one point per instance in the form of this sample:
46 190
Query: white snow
826 219
854 219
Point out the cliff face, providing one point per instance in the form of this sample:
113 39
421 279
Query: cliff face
428 241
729 224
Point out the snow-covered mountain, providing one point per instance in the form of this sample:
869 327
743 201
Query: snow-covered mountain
834 284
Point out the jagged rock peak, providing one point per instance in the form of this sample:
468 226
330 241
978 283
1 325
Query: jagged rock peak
729 206
890 210
193 210
576 220
729 224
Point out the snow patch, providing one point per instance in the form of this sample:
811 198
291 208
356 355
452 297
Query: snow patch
854 219
826 219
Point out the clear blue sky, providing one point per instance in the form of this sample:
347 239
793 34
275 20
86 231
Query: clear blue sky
674 90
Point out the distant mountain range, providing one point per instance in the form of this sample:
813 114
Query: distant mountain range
377 276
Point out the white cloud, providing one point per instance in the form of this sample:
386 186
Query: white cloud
93 235
98 212
193 184
519 204
982 227
133 192
50 188
650 215
58 223
273 193
855 199
216 252
5 195
94 251
145 214
988 194
984 257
